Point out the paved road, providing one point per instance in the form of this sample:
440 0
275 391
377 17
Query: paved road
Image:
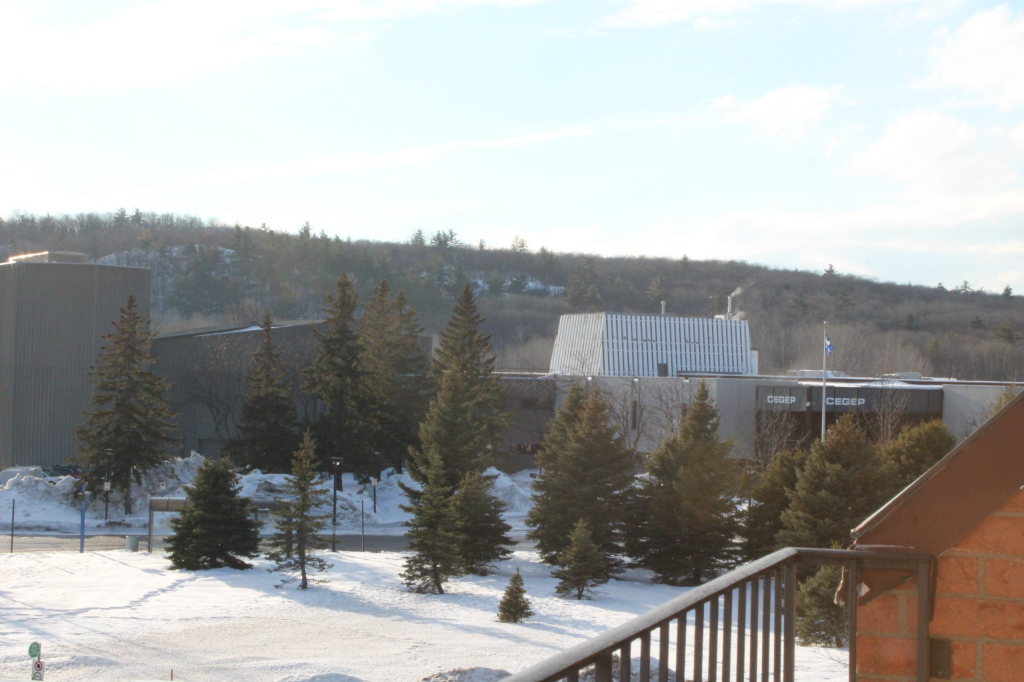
93 543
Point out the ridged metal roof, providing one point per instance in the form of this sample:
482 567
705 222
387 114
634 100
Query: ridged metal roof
607 344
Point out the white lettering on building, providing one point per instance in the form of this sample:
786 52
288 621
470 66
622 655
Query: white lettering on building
849 402
781 399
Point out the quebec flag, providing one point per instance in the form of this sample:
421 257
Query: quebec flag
828 345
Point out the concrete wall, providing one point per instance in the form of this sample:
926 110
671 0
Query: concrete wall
54 316
979 609
966 406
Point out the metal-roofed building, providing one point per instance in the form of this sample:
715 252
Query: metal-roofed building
54 310
608 344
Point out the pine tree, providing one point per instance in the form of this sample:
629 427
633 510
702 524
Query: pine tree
393 381
298 537
334 377
514 607
586 474
483 533
840 484
688 519
820 621
465 419
762 519
582 565
431 536
215 529
914 451
129 416
267 436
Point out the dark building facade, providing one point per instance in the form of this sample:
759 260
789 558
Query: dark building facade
54 310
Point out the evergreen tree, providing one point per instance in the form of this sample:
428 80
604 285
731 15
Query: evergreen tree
267 437
688 520
762 520
128 416
298 537
393 381
914 451
465 419
820 621
840 485
432 534
215 529
586 474
483 534
334 377
514 607
582 565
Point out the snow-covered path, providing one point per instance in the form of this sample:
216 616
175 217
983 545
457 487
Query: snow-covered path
124 616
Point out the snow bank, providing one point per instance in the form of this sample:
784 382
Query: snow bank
42 507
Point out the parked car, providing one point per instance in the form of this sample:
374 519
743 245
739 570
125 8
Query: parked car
8 474
64 470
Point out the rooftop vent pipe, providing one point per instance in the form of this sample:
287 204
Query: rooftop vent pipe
663 307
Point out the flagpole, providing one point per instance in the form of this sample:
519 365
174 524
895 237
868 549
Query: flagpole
824 374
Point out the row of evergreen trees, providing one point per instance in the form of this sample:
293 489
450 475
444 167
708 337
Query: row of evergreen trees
369 375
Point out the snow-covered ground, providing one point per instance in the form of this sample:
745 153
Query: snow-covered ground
125 616
45 508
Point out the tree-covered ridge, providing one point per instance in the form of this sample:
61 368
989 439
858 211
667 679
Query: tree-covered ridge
210 272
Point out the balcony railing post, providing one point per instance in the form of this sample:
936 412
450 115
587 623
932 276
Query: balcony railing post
603 667
625 660
741 632
727 637
777 625
698 642
753 628
713 641
680 647
645 657
766 627
789 664
663 642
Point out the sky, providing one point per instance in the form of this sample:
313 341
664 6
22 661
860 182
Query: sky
885 137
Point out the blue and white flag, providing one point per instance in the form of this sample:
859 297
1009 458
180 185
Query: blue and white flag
828 345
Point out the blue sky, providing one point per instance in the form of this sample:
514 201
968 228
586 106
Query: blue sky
884 136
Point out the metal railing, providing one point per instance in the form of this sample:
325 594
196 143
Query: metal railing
743 626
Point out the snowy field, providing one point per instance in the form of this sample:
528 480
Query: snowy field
125 616
42 507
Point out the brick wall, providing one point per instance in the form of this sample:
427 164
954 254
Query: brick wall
979 607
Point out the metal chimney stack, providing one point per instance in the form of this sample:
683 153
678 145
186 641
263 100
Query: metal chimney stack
728 310
663 308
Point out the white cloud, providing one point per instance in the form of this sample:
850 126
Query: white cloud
785 113
154 44
638 13
938 156
985 56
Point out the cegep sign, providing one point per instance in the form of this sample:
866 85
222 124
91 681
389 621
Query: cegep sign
845 402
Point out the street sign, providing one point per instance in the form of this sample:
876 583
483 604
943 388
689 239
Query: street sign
33 650
37 676
374 481
163 485
38 666
106 486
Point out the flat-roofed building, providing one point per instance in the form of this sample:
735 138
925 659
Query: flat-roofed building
54 310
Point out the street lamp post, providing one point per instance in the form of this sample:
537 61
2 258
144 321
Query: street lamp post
106 487
334 524
376 479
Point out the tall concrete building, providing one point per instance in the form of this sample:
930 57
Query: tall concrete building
54 310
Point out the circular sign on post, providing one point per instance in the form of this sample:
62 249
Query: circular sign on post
33 649
37 676
38 666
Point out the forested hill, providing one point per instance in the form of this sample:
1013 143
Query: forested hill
206 273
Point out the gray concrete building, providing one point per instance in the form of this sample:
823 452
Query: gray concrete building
54 310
